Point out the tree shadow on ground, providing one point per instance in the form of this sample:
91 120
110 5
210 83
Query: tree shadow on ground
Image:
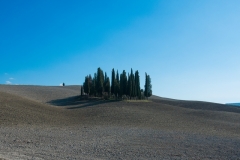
76 102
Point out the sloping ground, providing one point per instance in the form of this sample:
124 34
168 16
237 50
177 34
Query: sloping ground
64 126
16 110
41 93
196 104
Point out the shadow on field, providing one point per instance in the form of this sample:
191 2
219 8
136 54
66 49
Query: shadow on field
76 102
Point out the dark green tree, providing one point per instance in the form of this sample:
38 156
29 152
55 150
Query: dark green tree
137 85
82 89
117 77
93 86
148 86
90 83
113 82
133 86
121 85
107 87
129 86
116 88
100 81
87 85
124 82
117 85
132 81
105 82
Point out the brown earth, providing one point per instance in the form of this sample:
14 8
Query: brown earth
42 122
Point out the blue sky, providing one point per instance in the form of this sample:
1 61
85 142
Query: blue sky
190 49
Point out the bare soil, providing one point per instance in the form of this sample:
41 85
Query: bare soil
42 122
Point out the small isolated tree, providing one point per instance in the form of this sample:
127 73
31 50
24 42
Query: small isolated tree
63 84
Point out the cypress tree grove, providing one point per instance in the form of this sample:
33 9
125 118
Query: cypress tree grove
123 85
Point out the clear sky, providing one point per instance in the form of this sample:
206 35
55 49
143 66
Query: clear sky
190 49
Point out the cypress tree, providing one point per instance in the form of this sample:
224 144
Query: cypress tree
82 89
116 88
113 82
108 88
137 85
132 84
105 82
86 85
95 84
105 77
129 86
117 77
90 83
125 83
118 84
145 86
100 80
93 87
121 85
148 86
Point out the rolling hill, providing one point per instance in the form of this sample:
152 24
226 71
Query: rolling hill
54 123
